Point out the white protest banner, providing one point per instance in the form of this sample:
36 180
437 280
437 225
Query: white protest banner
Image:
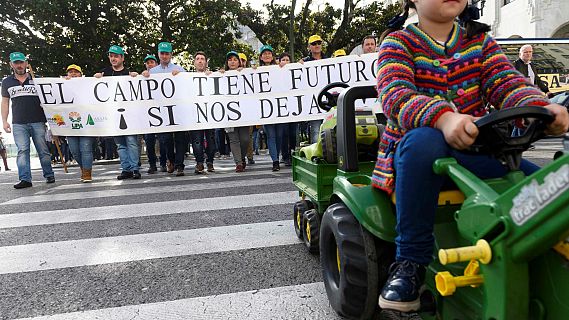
113 106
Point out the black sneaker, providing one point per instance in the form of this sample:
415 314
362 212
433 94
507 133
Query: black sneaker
401 291
152 170
125 175
50 180
136 174
22 184
276 166
180 172
251 161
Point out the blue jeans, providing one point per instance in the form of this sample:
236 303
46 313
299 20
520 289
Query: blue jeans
82 150
127 147
417 187
22 134
275 133
198 144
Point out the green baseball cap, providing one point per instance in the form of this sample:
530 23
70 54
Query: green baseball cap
116 49
17 56
164 47
231 53
150 57
265 48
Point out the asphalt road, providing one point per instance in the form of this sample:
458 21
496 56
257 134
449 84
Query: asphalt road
214 246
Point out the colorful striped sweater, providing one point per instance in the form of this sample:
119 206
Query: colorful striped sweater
419 79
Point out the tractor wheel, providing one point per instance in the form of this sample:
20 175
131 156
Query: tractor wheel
328 138
311 230
349 260
297 215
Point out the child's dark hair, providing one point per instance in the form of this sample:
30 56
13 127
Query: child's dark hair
466 19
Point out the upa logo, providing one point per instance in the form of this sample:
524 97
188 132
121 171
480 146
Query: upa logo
75 118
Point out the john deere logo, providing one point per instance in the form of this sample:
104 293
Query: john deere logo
90 121
75 118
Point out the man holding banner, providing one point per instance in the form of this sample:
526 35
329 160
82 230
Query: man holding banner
127 146
28 120
175 142
315 50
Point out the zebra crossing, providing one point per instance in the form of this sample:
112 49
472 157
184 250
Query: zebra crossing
214 246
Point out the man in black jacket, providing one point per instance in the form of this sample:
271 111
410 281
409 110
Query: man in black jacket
525 67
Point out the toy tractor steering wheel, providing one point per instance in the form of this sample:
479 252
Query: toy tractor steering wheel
331 98
495 138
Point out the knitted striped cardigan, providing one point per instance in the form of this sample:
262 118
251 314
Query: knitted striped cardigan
419 79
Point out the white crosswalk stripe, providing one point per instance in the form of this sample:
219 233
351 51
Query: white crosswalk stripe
236 256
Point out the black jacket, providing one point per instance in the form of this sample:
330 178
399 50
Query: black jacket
522 67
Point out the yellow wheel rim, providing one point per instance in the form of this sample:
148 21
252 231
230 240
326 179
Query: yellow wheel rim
298 218
338 258
308 231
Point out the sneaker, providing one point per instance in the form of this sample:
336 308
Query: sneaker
244 163
251 161
199 168
210 167
50 180
124 175
152 170
180 172
276 166
239 168
170 166
22 184
136 174
401 292
163 169
217 155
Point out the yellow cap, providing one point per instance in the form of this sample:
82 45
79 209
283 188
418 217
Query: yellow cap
314 38
339 53
74 66
242 56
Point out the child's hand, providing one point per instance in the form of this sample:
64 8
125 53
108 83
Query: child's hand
458 129
561 123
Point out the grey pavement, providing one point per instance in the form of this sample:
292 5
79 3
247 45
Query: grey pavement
213 246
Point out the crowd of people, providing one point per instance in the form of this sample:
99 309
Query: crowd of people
240 143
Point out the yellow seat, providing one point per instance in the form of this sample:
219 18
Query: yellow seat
448 197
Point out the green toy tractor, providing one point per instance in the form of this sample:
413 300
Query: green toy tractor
314 166
502 245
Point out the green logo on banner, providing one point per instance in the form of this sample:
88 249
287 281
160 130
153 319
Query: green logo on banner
90 121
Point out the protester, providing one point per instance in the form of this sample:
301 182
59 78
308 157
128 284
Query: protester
81 147
3 153
275 132
238 136
369 44
290 128
175 142
150 61
127 146
28 120
198 137
315 53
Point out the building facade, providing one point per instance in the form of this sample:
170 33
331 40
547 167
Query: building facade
526 18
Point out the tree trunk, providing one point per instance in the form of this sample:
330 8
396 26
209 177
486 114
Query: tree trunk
291 31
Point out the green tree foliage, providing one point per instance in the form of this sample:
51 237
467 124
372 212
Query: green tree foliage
56 33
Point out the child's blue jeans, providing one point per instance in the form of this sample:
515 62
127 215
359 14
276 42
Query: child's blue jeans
417 187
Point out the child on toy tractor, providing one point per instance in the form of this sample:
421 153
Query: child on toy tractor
433 80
